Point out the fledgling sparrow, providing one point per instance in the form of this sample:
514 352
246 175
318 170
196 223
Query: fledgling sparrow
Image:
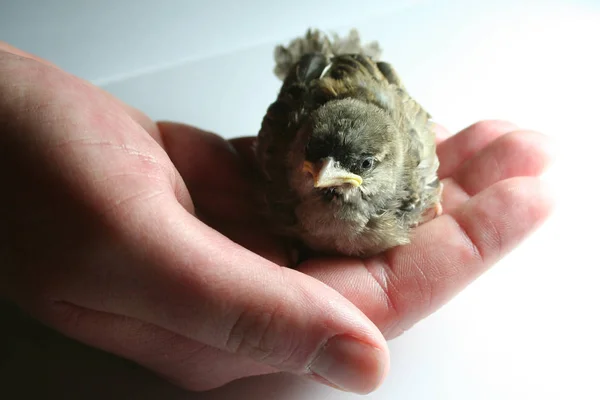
347 156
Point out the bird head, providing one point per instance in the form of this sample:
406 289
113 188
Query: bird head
352 152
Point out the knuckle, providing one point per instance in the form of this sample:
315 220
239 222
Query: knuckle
380 270
482 231
264 336
251 334
407 288
421 290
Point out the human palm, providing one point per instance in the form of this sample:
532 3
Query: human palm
492 200
148 281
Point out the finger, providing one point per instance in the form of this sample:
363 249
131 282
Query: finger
258 239
407 283
192 281
244 147
519 153
135 251
441 133
209 164
182 361
460 147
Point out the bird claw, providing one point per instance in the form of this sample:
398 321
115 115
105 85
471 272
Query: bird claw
438 209
432 213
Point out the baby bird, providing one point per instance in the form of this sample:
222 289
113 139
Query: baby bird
347 156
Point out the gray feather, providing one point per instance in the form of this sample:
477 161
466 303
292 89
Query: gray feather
316 41
338 100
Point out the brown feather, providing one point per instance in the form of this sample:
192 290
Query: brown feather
347 105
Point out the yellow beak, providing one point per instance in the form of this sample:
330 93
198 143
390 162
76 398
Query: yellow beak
328 174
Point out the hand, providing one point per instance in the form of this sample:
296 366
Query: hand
145 308
99 240
493 199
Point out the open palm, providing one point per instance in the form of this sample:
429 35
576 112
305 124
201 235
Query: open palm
492 201
108 250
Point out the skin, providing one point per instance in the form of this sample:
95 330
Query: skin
101 240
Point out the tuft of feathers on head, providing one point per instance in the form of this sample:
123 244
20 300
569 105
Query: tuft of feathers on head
316 41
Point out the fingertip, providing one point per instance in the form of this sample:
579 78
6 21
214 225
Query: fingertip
517 153
197 153
171 128
243 141
441 133
550 147
245 148
351 365
542 147
189 139
547 193
459 148
533 193
491 126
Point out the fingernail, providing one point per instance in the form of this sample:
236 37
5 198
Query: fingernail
350 365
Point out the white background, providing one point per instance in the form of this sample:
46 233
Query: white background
528 329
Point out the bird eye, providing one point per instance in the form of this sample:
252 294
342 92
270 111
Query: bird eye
367 163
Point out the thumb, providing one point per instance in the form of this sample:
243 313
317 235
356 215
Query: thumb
191 280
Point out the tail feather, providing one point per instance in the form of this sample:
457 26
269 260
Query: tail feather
316 41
